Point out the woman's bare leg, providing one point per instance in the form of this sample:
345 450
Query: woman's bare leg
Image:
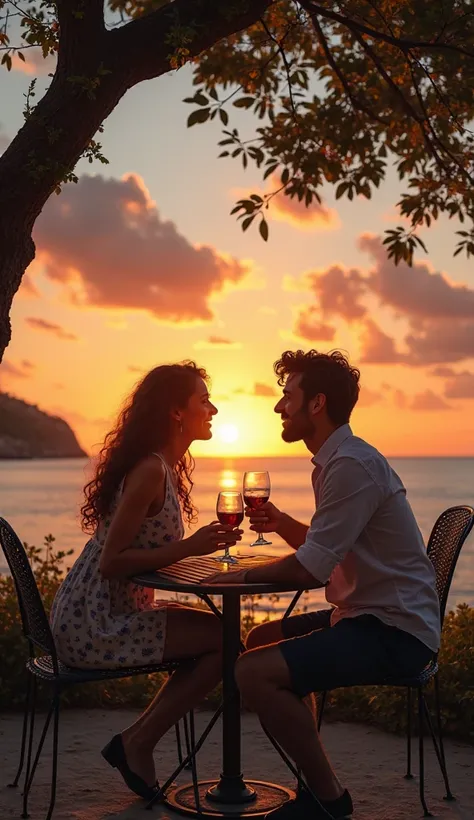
195 637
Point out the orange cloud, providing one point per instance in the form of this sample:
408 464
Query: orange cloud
105 242
34 63
439 312
16 371
459 385
309 326
429 401
216 341
259 389
315 217
50 327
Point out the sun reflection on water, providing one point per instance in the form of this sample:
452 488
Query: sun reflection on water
228 480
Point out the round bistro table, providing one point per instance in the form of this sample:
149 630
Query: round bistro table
231 795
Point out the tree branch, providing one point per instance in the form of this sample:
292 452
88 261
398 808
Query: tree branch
399 42
357 105
146 47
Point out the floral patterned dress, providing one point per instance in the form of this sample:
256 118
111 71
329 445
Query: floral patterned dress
107 624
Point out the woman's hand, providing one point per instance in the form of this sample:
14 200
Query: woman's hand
266 518
212 537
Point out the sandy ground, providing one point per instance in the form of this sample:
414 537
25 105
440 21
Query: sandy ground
369 762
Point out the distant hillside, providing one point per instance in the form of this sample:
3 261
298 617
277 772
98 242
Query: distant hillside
26 432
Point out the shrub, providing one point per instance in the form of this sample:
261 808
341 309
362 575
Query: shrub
380 706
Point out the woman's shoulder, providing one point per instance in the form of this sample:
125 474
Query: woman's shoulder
149 471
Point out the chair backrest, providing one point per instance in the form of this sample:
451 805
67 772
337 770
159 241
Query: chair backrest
445 543
34 619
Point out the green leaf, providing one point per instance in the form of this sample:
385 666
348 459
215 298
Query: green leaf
244 102
263 228
200 115
200 98
247 221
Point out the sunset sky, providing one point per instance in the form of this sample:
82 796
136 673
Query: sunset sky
140 263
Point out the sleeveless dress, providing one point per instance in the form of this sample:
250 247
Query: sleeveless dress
105 624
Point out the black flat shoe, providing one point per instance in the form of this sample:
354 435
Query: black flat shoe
114 754
304 807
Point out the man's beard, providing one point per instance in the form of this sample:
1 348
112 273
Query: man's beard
297 427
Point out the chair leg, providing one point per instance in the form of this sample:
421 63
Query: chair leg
322 704
421 752
189 764
178 742
36 760
54 774
30 749
439 755
409 775
442 762
24 733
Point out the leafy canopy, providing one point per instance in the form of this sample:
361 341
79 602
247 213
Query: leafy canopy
340 92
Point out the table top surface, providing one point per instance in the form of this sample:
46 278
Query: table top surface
188 576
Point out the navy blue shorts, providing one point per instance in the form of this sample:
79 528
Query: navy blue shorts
354 652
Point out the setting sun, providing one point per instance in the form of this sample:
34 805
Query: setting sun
228 433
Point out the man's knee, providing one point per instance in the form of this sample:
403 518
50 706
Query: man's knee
264 634
249 670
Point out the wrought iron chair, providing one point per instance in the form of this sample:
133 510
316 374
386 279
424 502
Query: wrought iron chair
48 668
444 546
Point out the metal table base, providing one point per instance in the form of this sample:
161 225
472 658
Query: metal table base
266 796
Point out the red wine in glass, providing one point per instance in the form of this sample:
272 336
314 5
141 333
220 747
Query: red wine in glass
255 498
230 519
256 494
230 512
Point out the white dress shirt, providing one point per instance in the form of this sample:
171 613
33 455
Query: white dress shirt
364 542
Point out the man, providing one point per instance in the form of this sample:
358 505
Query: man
364 546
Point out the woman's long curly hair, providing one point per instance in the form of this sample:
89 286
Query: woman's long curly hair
143 427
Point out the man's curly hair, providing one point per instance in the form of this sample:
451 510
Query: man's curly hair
328 373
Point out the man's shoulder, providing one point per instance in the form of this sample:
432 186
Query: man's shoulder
367 456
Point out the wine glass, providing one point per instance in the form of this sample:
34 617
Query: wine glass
256 493
230 510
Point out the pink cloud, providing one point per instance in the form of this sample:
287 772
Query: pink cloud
106 243
368 397
315 217
417 291
50 327
429 401
376 346
439 313
309 326
34 63
259 389
21 371
458 385
216 341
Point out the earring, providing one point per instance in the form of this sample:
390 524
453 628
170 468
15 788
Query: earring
180 426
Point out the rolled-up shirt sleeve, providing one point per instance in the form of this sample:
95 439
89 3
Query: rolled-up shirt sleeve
349 498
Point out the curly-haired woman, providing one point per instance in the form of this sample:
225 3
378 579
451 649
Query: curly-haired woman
100 619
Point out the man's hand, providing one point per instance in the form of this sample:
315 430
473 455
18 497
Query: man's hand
265 519
231 576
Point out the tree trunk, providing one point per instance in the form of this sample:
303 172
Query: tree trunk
95 69
31 169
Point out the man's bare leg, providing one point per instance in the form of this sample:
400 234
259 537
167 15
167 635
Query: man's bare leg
271 632
264 681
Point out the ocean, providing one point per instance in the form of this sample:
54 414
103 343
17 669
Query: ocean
43 496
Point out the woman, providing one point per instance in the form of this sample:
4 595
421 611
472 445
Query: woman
133 511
